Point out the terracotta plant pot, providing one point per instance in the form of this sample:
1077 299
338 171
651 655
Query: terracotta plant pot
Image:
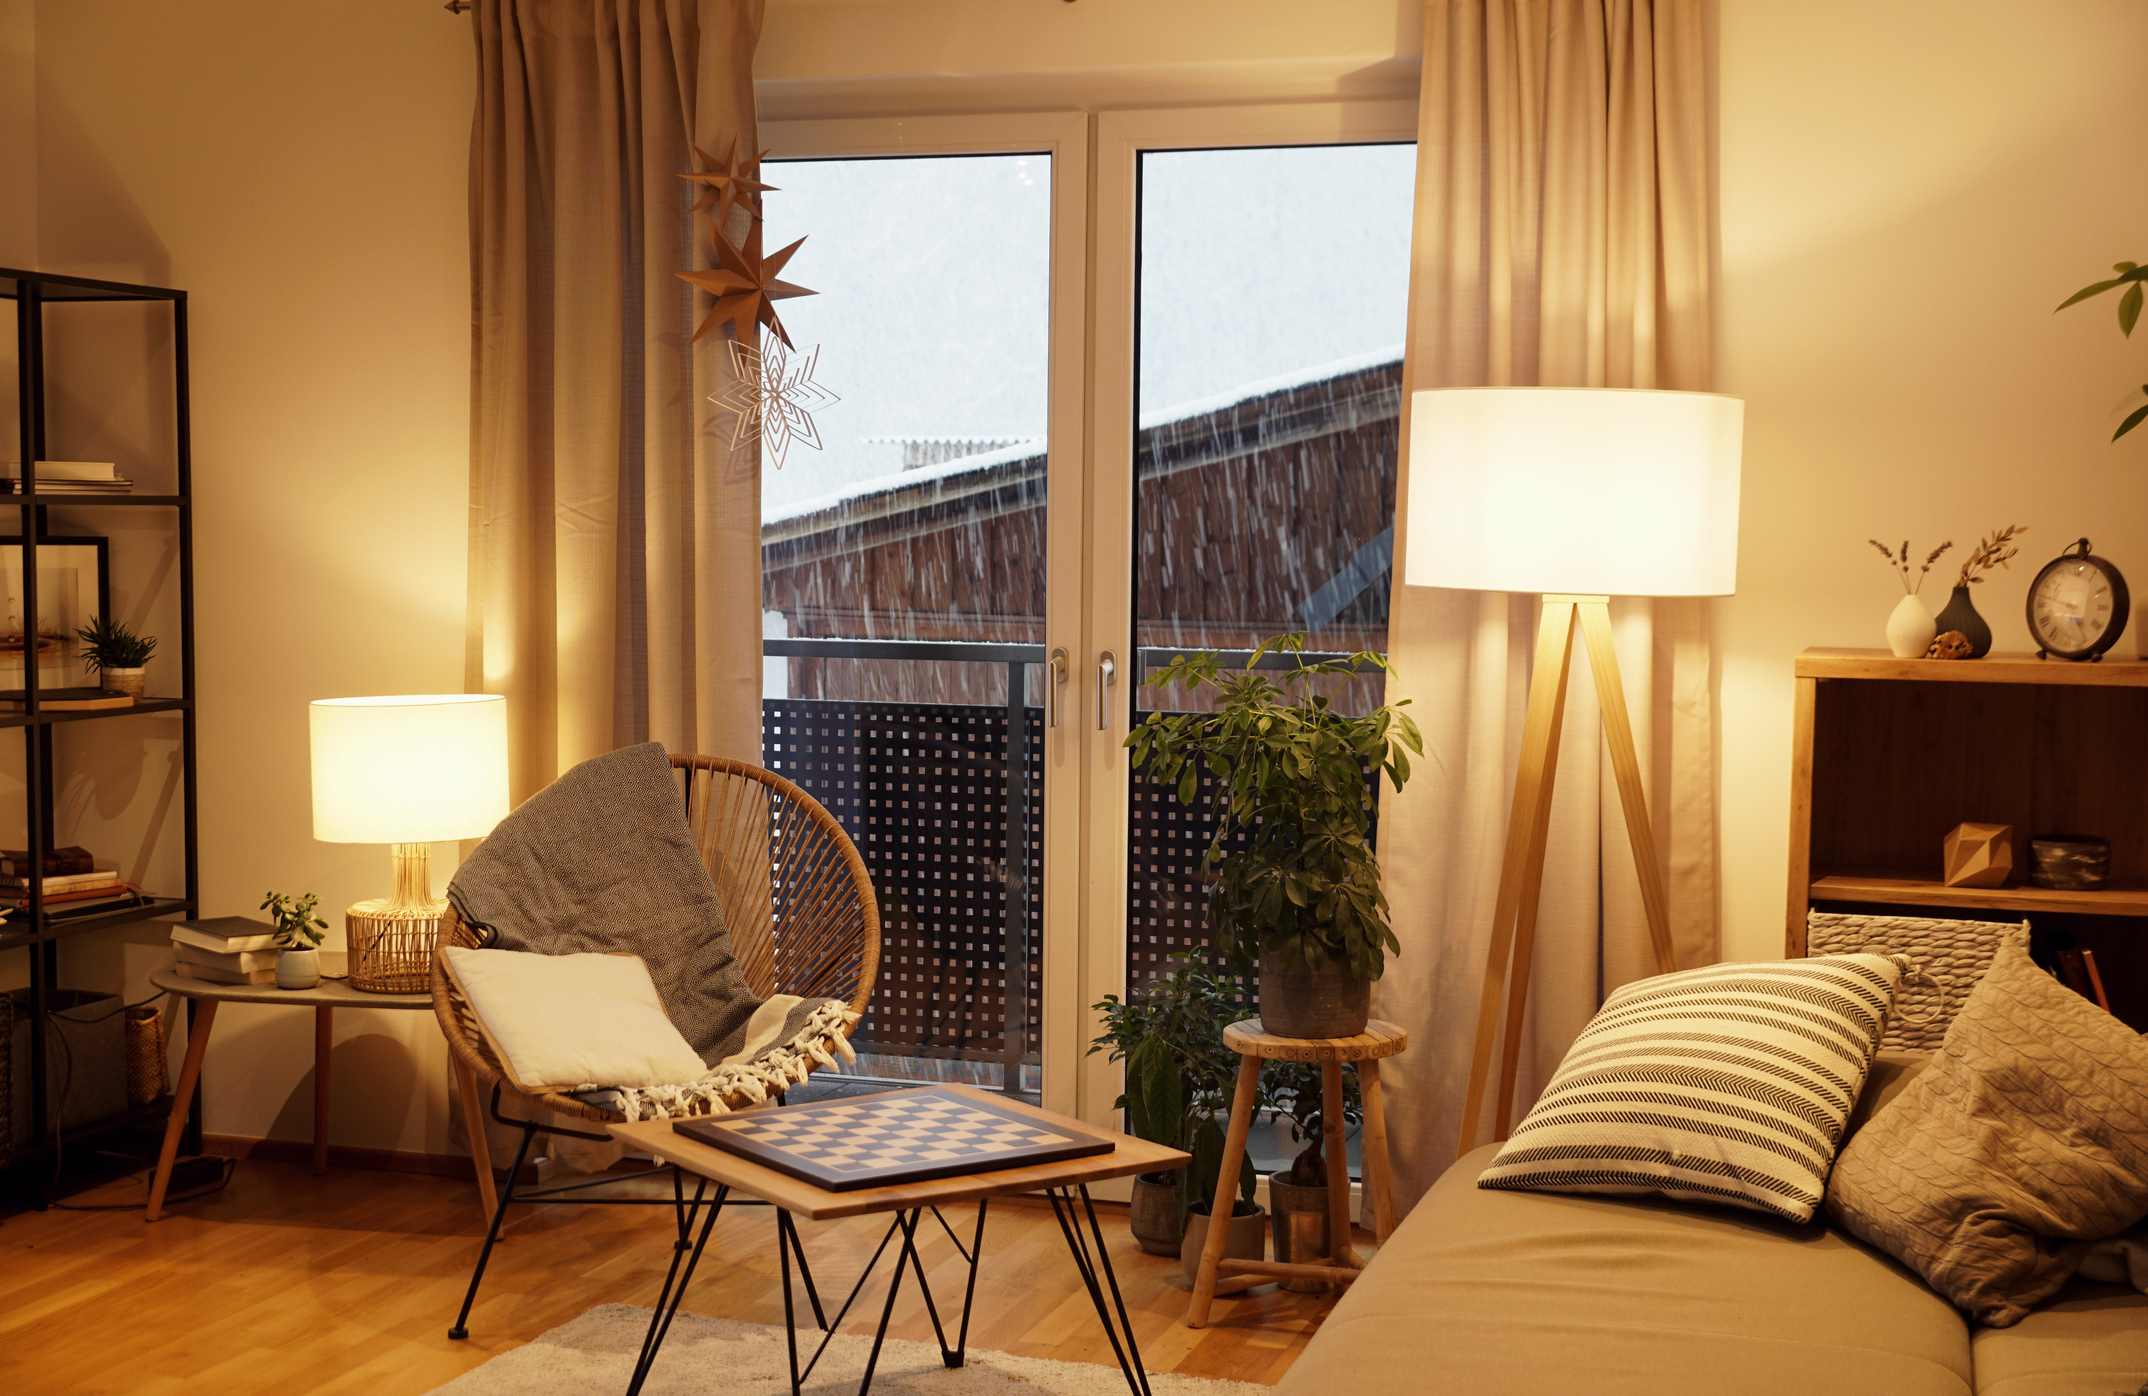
128 681
1301 1228
1153 1216
298 969
1299 1002
1246 1239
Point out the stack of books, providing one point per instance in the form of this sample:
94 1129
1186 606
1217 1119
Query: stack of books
68 477
226 950
72 881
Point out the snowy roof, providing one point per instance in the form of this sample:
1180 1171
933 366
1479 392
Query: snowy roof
966 475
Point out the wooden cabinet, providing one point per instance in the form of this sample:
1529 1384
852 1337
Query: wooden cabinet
1890 754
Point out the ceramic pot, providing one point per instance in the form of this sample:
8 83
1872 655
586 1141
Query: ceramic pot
1299 1002
1910 629
298 969
1153 1215
1961 615
129 681
1301 1229
1245 1240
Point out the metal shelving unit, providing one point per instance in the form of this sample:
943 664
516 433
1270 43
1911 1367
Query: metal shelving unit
37 931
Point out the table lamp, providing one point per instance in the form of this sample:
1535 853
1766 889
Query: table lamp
407 771
1580 494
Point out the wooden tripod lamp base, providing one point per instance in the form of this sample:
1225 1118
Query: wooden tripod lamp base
1521 873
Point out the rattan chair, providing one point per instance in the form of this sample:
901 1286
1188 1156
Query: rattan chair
799 906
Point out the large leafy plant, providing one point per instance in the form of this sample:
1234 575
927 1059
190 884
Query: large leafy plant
1179 1075
2130 275
1290 775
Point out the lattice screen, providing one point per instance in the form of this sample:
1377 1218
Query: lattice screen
922 790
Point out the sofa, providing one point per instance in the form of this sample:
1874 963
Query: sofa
1488 1293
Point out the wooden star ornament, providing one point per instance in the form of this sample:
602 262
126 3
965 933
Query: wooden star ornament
727 183
746 286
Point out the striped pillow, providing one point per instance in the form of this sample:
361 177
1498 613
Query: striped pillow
1728 1084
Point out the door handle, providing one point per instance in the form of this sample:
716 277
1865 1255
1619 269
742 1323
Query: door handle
1107 674
1058 675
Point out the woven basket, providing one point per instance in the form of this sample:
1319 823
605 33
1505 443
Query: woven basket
1954 954
390 954
147 1076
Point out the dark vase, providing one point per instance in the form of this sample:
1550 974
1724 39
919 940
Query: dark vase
1961 615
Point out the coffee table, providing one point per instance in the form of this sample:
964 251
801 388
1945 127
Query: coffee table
1064 1184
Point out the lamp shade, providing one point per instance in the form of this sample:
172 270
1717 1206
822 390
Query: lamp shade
411 769
1597 491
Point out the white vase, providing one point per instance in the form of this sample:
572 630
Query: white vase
298 969
1910 629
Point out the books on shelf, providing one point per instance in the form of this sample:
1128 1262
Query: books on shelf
67 477
64 700
225 976
225 935
59 862
63 882
19 897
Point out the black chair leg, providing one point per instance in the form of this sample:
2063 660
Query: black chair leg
492 1234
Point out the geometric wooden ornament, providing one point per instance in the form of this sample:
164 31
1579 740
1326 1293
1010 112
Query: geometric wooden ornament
1979 855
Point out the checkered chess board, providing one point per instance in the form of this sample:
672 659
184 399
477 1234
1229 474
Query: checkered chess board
899 1137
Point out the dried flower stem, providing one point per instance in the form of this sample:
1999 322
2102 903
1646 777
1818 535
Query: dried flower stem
1996 550
1901 563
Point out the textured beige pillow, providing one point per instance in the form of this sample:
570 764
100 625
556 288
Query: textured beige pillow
2024 1141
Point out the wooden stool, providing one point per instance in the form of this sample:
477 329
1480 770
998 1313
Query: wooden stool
1255 1046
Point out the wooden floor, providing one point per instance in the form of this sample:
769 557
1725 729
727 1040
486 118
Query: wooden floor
289 1283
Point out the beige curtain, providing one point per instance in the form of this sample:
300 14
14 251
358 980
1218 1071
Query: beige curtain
1561 240
615 576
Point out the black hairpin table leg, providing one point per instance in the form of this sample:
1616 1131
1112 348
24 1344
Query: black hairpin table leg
1094 1262
667 1299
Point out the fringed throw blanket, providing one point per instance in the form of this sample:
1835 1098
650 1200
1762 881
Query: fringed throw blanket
602 860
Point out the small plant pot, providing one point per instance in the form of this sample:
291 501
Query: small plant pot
1299 1002
298 969
127 681
1153 1216
1245 1240
1301 1229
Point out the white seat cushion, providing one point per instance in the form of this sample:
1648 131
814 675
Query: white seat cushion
569 1022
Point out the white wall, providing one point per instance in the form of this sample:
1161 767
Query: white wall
1908 189
298 169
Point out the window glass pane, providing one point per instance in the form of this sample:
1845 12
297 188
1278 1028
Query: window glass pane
1272 297
921 522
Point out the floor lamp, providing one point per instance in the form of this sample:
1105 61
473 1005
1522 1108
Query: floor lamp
1580 494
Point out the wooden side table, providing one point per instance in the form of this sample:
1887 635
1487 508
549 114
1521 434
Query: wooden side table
1255 1046
202 997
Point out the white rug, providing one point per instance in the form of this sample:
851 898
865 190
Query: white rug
594 1356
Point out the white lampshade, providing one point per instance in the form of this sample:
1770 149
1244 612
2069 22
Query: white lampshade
1595 491
411 769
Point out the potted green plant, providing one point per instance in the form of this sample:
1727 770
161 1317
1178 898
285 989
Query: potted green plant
298 938
119 656
1179 1079
1298 1195
1302 894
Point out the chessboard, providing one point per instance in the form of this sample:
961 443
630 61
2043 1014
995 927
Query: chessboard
897 1137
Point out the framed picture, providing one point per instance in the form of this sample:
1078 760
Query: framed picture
73 585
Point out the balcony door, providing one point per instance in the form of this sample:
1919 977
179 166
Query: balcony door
1089 413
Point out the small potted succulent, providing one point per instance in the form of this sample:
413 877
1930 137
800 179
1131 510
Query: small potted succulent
1298 1195
119 656
1289 773
1179 1081
298 937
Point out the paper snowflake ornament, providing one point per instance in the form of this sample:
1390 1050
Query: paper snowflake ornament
773 396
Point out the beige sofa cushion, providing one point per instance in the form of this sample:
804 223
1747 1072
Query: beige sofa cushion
2090 1340
1484 1293
2028 1130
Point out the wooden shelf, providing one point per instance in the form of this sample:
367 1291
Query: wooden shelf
1911 891
1992 668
